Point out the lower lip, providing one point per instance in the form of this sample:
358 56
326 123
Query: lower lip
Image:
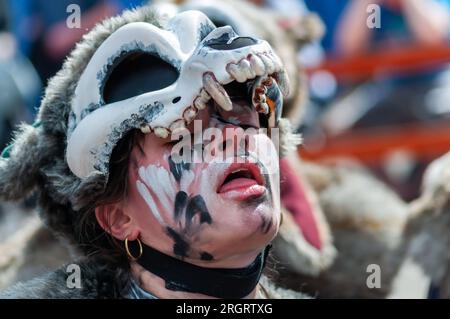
241 189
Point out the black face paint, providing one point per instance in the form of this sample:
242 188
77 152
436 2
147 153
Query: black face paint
266 224
181 246
196 206
181 200
178 168
206 256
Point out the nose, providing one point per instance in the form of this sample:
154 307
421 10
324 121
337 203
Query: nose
236 43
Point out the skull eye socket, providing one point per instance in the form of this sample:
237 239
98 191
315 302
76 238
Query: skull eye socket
137 73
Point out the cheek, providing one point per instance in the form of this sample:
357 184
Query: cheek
264 150
136 204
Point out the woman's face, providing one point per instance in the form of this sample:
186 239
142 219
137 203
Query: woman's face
220 205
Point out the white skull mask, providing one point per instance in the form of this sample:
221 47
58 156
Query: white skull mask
186 65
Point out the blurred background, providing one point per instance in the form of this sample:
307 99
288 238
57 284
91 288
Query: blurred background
378 81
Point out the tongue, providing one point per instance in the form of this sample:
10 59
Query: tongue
236 184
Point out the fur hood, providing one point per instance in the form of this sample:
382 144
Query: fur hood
100 281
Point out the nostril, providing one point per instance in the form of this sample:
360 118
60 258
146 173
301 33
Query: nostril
236 43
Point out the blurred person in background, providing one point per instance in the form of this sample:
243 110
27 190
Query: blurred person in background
386 98
402 22
19 83
44 35
416 22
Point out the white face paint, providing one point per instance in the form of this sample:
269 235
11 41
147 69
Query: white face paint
166 195
199 211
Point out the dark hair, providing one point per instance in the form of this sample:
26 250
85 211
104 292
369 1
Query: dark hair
93 239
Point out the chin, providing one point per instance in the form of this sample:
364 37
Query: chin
259 219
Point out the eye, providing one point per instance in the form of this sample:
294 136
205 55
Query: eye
138 73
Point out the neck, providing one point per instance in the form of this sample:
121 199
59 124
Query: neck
156 286
167 277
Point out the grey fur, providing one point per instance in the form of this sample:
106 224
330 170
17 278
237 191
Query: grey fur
99 281
37 161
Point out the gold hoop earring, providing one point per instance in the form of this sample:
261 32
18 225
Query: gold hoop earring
128 250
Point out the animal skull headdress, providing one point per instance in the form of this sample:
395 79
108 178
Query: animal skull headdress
189 63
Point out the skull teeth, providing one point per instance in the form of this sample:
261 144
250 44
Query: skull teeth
268 64
217 92
262 108
189 114
257 65
259 96
199 104
201 100
204 95
177 126
236 72
262 98
146 129
161 132
246 68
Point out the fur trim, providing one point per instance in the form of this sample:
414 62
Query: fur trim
364 231
296 254
99 281
288 139
102 282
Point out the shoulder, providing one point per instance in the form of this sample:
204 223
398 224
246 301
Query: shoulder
95 281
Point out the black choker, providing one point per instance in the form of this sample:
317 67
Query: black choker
215 282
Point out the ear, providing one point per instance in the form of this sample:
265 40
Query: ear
115 221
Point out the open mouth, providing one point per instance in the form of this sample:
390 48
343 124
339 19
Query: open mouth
242 181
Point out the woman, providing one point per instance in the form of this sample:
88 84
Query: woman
161 206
